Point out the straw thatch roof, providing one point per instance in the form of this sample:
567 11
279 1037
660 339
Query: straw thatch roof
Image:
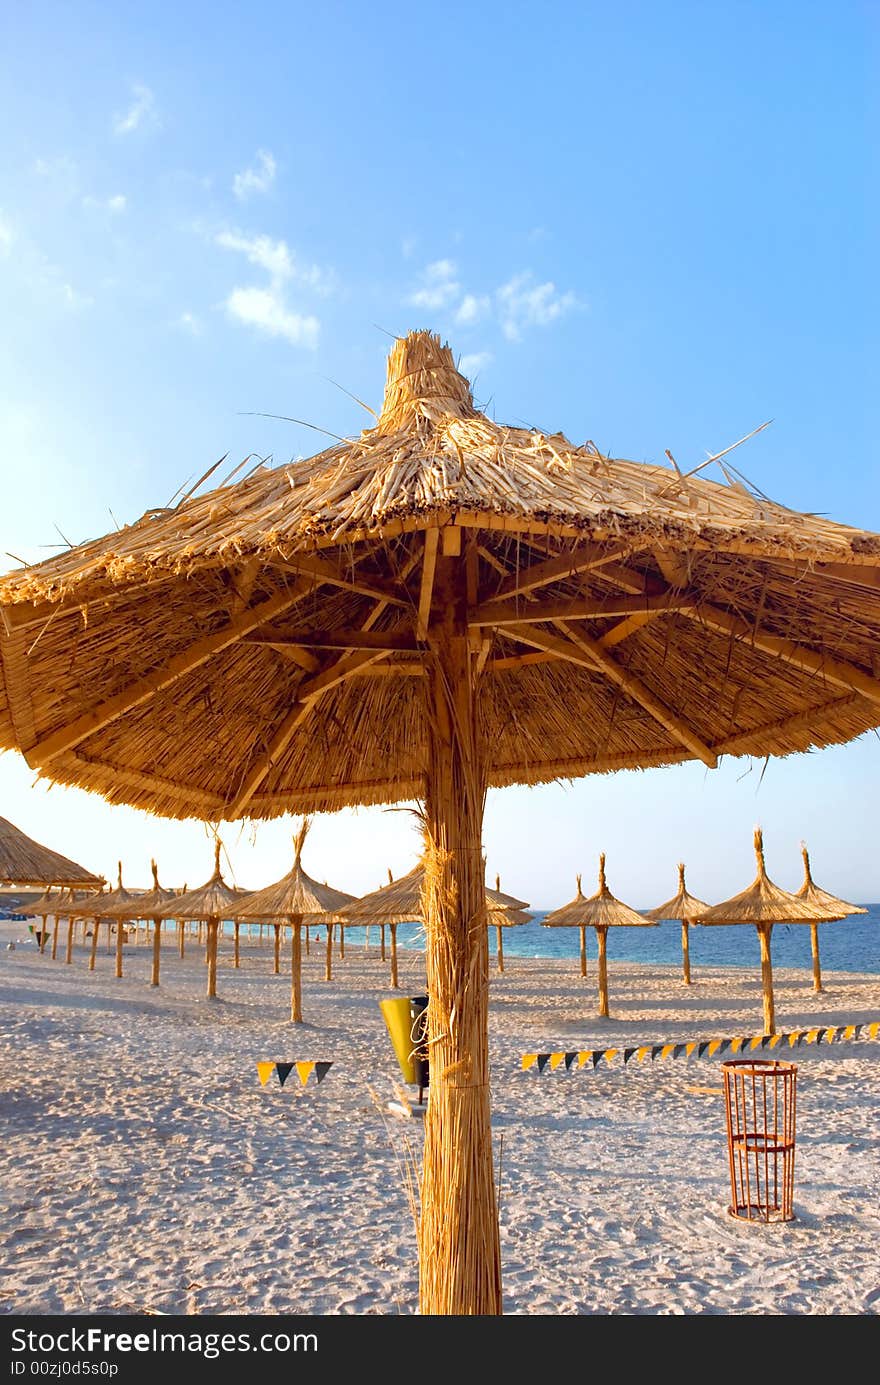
683 906
296 895
600 910
258 649
213 900
54 902
142 906
400 901
93 906
764 902
26 862
836 908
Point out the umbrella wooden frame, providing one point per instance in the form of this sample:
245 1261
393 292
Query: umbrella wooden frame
209 903
146 907
838 909
684 908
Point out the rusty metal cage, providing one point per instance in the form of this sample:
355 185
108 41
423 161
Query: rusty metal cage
760 1101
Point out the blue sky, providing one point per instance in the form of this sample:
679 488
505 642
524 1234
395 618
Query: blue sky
649 225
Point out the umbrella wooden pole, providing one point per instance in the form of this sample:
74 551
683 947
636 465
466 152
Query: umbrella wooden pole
43 935
54 936
69 955
459 1248
212 930
685 952
602 968
236 950
394 981
181 935
120 938
500 950
764 931
814 946
157 951
276 970
296 1013
308 941
382 944
583 949
342 940
328 968
96 925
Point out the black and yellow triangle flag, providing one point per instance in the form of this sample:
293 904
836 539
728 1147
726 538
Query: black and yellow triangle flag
678 1050
305 1071
321 1070
284 1070
610 1053
627 1054
584 1056
528 1061
570 1058
596 1055
543 1059
555 1060
656 1050
265 1071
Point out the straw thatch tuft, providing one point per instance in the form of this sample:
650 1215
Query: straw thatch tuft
682 907
93 906
402 901
600 910
142 906
836 908
296 895
257 650
763 902
26 862
213 900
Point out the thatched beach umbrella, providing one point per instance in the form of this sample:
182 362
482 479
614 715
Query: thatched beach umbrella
212 902
51 902
683 907
764 904
403 901
441 604
24 861
836 909
93 907
296 899
599 911
501 919
145 906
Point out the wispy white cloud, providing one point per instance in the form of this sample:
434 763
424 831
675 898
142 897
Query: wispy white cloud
141 111
470 364
523 303
439 286
266 310
277 259
471 308
256 179
115 204
188 322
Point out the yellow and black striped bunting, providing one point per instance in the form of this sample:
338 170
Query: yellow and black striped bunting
701 1048
304 1071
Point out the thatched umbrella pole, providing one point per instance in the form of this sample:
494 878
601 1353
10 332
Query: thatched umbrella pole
498 930
328 967
583 949
212 931
120 939
236 953
296 1013
764 932
276 969
181 933
341 939
814 949
69 954
308 941
382 943
602 970
460 1261
685 952
93 953
394 980
54 936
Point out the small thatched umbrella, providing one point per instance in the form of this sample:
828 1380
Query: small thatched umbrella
213 901
600 911
437 605
514 919
52 902
683 907
403 901
24 861
93 907
145 906
764 904
295 899
836 909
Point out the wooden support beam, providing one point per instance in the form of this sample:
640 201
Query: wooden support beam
521 660
834 671
580 649
67 737
675 567
587 559
624 628
333 575
387 670
797 721
338 639
310 662
429 565
451 541
579 608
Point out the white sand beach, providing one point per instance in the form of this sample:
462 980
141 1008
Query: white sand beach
145 1169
